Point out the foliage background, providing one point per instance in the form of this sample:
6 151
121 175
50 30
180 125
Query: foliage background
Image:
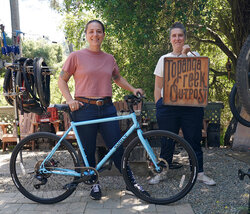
137 34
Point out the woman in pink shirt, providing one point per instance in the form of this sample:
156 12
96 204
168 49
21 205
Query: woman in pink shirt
93 71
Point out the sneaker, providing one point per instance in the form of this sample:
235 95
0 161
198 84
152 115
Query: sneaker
156 179
96 193
205 179
159 177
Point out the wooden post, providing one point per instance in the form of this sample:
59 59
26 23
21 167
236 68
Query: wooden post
15 24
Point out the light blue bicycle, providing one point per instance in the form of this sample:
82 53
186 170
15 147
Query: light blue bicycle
51 175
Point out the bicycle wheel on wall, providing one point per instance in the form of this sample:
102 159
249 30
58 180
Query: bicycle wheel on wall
42 81
26 159
243 75
8 86
28 78
177 179
236 105
231 129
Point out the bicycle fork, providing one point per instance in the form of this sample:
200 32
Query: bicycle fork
148 149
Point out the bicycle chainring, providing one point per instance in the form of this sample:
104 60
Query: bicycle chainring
92 179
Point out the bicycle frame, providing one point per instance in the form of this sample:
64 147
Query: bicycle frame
70 172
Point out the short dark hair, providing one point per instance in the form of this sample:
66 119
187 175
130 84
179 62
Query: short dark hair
94 20
180 26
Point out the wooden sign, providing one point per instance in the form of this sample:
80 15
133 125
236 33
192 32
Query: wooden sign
185 81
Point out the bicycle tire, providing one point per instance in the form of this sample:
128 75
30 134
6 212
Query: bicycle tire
7 86
42 81
243 75
21 83
234 110
179 181
29 79
231 129
24 171
26 79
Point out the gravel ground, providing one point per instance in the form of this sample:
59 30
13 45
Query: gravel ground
229 196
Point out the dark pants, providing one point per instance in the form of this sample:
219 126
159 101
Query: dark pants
189 119
110 131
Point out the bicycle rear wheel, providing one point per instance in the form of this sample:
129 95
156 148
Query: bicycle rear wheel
26 159
177 179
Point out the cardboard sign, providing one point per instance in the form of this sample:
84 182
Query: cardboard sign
185 81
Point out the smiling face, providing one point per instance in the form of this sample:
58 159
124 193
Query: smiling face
94 35
177 39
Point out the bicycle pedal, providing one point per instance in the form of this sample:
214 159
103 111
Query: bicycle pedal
70 186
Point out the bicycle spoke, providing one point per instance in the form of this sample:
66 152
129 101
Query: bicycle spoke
178 172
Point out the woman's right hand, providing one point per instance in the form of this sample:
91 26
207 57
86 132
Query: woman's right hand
74 105
185 50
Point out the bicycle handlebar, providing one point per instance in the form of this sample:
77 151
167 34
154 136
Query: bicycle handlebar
62 107
132 100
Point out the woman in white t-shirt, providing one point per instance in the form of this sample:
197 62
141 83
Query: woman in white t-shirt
172 118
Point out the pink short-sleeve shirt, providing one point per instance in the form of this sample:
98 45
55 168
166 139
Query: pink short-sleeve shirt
92 71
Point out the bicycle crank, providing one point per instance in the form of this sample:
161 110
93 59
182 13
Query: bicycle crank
90 176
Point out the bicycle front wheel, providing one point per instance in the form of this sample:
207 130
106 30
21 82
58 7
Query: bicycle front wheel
178 173
26 159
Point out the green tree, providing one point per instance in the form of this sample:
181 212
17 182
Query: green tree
138 30
52 53
138 34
